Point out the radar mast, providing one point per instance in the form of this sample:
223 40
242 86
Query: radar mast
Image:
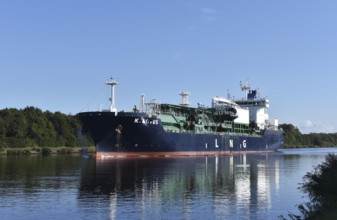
245 87
184 96
112 82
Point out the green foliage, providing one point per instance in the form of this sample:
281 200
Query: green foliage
320 186
292 135
32 127
46 151
293 138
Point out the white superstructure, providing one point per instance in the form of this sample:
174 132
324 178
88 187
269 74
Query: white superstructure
257 107
219 102
250 109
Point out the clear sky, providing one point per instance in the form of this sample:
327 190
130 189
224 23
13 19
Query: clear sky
57 55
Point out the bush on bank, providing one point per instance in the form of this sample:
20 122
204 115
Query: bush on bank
47 150
321 187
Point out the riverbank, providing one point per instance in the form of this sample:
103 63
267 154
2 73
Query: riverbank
47 150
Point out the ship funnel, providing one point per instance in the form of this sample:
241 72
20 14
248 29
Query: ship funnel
184 96
112 82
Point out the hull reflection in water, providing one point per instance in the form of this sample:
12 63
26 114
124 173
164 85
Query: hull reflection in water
186 187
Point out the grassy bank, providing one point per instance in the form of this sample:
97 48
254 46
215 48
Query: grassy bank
47 150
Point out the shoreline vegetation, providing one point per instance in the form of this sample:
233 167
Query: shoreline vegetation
47 150
293 138
33 131
320 187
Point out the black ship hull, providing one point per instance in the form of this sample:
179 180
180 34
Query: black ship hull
136 134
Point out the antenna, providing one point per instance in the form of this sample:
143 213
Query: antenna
245 87
229 97
112 82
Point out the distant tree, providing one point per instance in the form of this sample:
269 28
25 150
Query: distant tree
292 135
66 129
294 138
41 130
33 127
2 128
16 123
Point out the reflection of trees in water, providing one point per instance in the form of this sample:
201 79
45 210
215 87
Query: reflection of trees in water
217 180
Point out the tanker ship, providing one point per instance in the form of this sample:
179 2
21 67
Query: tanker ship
162 129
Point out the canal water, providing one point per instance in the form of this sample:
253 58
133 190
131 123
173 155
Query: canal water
245 186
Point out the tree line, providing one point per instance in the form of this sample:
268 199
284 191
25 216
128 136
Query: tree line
293 138
31 127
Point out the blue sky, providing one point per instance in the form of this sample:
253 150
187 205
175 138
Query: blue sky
56 55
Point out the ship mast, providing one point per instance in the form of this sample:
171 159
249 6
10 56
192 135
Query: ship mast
245 87
142 102
112 82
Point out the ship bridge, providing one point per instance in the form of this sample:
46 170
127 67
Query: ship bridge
247 103
252 99
256 105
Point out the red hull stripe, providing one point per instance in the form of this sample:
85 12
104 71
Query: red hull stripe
168 154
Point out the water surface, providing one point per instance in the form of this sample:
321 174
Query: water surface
246 186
